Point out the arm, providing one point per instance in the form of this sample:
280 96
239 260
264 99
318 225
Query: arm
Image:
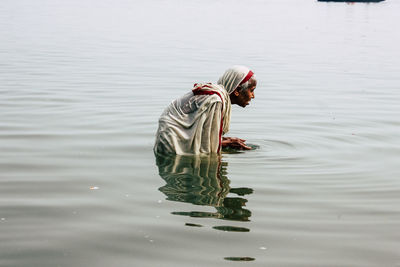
211 132
210 136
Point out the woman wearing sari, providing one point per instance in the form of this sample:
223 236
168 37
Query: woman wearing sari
196 122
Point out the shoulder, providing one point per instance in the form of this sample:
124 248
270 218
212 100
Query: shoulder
213 105
219 92
215 98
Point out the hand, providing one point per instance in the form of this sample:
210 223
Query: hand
235 143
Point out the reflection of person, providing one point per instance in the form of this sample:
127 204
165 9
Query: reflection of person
201 180
195 122
193 179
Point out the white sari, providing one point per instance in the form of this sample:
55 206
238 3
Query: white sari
195 122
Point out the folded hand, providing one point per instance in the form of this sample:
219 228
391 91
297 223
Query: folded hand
235 143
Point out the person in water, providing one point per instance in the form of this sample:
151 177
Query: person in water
196 122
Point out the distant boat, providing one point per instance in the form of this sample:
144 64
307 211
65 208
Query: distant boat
351 1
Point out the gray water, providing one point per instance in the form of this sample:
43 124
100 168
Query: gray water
82 84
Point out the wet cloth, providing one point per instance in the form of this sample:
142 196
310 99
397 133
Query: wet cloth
195 122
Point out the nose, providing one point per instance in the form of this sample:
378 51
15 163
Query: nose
252 95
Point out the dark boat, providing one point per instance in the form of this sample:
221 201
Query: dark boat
353 1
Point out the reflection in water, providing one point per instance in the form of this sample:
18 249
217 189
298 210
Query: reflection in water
239 258
201 180
232 228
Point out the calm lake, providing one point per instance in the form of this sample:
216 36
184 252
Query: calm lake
82 84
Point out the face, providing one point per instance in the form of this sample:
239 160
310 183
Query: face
243 97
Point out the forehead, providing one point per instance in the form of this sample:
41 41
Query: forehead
252 82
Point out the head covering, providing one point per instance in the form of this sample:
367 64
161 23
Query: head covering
234 77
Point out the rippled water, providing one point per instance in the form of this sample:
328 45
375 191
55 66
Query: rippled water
82 84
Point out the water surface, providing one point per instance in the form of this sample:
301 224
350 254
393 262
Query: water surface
82 84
